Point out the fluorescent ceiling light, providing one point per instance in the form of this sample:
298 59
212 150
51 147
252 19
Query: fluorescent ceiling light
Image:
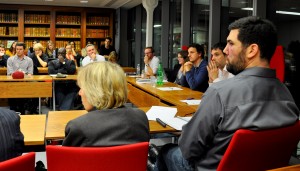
288 12
48 0
248 9
157 25
84 2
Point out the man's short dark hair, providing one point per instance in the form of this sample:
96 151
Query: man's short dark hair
220 45
151 48
21 44
109 38
198 47
255 30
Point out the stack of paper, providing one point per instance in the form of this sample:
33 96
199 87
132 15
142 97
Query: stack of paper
167 115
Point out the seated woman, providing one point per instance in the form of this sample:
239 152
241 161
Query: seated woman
176 74
51 51
39 59
103 90
112 57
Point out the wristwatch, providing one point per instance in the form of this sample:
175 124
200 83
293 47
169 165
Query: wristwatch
147 65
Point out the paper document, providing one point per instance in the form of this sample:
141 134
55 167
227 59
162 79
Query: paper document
167 115
169 88
161 112
143 80
191 102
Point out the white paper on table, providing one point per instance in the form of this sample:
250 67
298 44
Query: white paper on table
143 81
169 88
54 75
161 112
191 102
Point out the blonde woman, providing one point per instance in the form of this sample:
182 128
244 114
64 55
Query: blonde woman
112 57
103 90
38 57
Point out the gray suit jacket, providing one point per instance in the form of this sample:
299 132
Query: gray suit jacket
108 127
11 138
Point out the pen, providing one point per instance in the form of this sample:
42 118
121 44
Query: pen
161 122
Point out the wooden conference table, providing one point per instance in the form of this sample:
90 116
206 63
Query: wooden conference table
145 95
33 129
29 87
57 120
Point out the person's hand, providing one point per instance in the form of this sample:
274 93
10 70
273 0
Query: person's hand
187 66
93 56
146 60
213 71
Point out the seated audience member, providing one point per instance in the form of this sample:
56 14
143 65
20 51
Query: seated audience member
30 49
12 49
195 74
3 56
112 57
217 66
107 48
76 55
92 56
110 123
151 62
71 54
23 63
65 90
39 59
11 137
51 51
246 101
177 72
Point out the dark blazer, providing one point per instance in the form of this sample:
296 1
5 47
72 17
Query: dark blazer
11 137
173 74
108 127
3 61
36 62
55 67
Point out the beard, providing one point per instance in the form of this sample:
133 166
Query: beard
237 66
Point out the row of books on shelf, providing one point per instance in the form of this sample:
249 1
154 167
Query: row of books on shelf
67 19
37 18
8 17
37 31
93 20
63 43
8 31
68 32
96 33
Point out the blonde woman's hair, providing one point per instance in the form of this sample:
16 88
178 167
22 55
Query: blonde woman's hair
112 57
104 84
38 46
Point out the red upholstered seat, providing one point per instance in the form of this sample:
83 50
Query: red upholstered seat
24 162
277 63
260 150
132 157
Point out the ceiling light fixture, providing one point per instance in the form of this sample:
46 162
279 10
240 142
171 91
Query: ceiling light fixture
277 12
84 2
288 12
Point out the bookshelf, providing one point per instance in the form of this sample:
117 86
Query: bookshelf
58 24
8 26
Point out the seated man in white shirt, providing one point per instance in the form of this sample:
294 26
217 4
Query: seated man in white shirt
217 66
151 62
92 56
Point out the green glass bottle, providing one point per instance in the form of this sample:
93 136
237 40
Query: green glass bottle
160 75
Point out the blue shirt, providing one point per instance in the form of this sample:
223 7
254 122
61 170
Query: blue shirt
196 78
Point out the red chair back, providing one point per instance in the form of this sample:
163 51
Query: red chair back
260 150
277 63
132 157
25 162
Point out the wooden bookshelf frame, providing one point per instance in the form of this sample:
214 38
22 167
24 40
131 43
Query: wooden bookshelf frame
84 12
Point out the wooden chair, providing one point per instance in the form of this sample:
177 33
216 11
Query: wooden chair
132 157
260 150
25 162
